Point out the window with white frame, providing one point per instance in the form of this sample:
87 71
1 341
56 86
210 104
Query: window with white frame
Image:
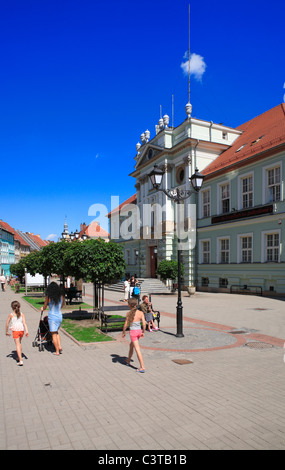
272 247
225 198
247 191
246 248
223 250
206 203
273 184
205 251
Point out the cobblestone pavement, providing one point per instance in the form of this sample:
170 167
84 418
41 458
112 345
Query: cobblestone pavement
228 393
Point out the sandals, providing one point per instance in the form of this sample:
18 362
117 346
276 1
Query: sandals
142 371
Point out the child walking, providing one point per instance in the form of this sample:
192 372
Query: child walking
18 327
134 319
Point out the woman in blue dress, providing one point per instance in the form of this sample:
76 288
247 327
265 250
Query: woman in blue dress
54 300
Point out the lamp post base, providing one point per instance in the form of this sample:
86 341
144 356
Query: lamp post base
179 335
179 320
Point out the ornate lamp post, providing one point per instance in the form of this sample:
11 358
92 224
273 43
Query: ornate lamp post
177 195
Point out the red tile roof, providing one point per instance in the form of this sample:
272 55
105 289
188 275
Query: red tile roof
37 239
131 200
9 229
93 230
260 134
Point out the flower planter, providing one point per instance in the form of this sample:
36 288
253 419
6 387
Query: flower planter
191 290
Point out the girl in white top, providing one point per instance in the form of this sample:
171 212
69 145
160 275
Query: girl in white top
134 319
18 327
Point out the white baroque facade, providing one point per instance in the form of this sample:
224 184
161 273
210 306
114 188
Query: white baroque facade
147 229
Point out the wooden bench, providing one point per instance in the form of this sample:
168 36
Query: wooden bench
107 319
246 289
72 294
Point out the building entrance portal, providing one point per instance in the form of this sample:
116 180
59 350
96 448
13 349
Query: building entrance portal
153 260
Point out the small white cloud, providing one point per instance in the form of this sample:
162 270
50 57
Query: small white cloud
52 236
197 65
97 155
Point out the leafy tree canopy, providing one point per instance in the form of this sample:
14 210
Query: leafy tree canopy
168 269
95 260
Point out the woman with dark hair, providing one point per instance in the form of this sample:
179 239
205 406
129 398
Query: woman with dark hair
55 300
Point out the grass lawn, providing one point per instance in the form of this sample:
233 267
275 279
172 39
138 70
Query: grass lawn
83 333
38 302
86 331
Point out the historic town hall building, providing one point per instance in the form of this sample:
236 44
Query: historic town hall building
237 242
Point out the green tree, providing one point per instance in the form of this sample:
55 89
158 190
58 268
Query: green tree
32 263
18 269
50 259
95 260
168 269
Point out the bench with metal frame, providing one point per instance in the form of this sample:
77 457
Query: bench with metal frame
245 289
73 294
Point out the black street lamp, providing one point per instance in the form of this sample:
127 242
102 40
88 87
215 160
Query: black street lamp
177 195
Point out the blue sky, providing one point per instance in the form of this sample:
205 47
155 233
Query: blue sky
81 80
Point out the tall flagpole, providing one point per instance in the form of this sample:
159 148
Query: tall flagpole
188 106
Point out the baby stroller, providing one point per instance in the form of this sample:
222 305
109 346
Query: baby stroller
43 334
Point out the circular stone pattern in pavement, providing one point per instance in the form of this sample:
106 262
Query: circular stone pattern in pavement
194 340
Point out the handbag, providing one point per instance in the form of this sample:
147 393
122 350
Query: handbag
136 290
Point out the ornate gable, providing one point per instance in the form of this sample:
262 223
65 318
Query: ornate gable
146 153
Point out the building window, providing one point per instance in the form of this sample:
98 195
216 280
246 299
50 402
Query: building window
273 184
247 192
206 203
225 198
272 247
246 249
205 281
180 175
224 250
205 252
223 282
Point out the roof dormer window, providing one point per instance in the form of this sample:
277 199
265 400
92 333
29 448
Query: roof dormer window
239 149
257 140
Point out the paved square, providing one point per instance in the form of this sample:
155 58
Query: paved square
230 395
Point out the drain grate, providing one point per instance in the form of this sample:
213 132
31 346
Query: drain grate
258 345
238 332
181 362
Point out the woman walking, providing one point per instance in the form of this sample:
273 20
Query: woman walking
55 300
134 319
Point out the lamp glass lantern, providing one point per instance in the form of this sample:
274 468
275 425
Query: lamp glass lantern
156 176
197 180
76 234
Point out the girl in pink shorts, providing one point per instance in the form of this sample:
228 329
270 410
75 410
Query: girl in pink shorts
18 325
134 319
